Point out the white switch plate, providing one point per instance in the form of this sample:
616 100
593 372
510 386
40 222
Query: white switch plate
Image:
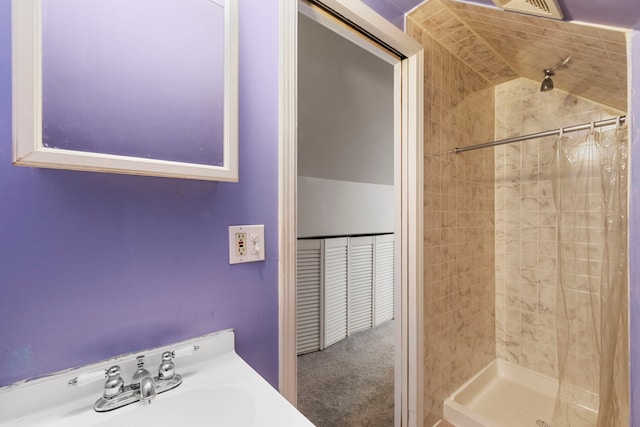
246 243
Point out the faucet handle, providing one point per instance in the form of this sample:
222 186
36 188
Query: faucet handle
167 367
140 373
114 384
140 360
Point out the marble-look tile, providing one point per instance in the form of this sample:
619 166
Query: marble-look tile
464 203
512 247
546 151
530 101
460 224
529 232
529 247
528 279
529 305
547 233
547 278
531 121
546 300
546 247
529 353
527 274
529 216
517 39
510 218
547 367
547 263
512 349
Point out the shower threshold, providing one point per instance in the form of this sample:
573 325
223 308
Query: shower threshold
507 395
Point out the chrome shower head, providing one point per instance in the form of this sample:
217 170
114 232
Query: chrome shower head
547 83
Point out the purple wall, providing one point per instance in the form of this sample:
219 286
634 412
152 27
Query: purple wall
634 229
389 10
93 265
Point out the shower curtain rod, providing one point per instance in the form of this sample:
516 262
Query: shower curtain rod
576 128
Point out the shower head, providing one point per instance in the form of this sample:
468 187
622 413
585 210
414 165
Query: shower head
547 83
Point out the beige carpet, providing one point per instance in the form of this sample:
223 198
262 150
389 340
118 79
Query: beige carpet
351 382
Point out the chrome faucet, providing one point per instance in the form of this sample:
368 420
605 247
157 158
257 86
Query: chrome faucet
143 388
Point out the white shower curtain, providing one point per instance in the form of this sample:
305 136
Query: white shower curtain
590 193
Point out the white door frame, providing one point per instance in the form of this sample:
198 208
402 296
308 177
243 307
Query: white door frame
408 153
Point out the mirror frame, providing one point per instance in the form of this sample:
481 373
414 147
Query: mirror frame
28 149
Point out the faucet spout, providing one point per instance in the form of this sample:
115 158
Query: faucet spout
147 390
143 381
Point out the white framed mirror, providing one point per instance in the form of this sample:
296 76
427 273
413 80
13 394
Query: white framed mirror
144 87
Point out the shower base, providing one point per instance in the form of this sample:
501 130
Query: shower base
507 395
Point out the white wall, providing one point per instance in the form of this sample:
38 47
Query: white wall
328 207
345 136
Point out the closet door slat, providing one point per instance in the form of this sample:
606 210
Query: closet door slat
360 285
335 290
308 295
383 278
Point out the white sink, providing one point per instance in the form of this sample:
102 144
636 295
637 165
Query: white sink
222 406
218 389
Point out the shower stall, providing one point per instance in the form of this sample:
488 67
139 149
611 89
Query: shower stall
512 288
561 277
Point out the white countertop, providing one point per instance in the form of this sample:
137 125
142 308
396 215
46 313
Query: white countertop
218 389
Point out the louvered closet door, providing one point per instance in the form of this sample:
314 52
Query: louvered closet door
335 290
360 283
308 295
383 278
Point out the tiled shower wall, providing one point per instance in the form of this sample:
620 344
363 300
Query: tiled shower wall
525 243
459 277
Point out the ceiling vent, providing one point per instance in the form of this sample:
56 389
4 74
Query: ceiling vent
546 8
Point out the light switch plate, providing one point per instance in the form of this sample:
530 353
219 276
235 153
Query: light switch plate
246 243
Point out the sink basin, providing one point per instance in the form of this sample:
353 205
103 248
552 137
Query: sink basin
223 406
218 389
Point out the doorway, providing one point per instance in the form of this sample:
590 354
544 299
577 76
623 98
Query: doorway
407 200
345 195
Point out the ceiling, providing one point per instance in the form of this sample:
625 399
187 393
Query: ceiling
617 13
502 46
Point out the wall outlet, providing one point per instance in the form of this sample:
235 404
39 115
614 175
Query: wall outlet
240 244
246 243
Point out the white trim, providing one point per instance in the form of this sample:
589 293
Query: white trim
400 354
287 221
28 149
408 199
368 19
413 211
